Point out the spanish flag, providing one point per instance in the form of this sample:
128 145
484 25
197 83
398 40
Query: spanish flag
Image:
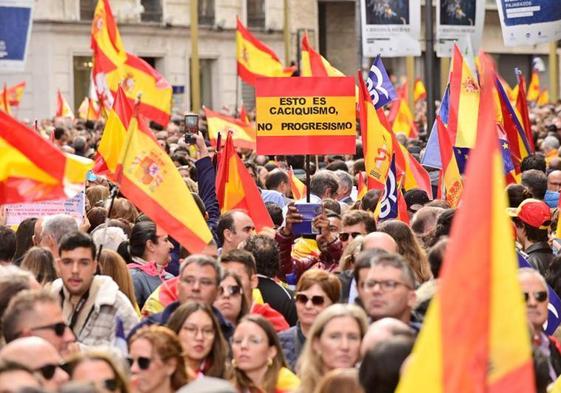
534 87
147 177
543 98
15 93
243 115
255 59
297 187
32 169
314 64
243 134
414 174
5 101
113 66
419 91
62 106
376 139
235 188
402 119
464 102
361 186
475 337
452 180
89 110
523 111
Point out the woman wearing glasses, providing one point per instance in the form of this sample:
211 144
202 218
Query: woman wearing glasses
204 346
258 362
333 342
100 370
156 361
231 302
316 290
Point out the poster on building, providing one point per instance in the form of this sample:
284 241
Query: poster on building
314 115
75 207
530 22
391 28
459 21
15 31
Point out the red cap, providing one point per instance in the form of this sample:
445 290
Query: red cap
533 212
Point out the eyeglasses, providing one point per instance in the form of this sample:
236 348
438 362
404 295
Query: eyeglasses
193 330
111 384
48 370
59 328
317 300
540 296
344 236
385 285
251 340
230 290
142 361
203 282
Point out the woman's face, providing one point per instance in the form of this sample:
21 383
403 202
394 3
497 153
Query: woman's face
339 344
148 371
229 300
309 303
197 335
98 372
250 347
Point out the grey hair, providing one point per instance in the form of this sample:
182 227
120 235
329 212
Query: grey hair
534 272
551 142
59 225
344 178
202 260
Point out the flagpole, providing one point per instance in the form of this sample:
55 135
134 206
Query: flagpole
429 64
308 177
195 82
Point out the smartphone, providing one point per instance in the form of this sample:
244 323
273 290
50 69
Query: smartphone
308 211
191 127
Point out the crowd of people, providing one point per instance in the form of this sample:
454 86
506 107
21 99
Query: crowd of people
114 304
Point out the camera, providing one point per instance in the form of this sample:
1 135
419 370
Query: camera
191 127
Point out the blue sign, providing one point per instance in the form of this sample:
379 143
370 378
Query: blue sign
15 30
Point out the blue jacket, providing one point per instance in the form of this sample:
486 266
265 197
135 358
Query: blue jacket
206 177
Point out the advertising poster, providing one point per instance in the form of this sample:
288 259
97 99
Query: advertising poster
15 30
530 22
391 28
459 21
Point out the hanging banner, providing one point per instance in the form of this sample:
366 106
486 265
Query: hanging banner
530 22
15 31
391 28
459 21
305 115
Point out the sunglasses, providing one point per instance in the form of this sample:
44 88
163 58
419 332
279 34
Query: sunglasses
111 384
344 236
48 370
540 296
143 362
230 290
59 328
316 300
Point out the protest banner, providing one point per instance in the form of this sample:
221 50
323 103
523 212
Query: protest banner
75 207
391 28
529 22
459 21
305 115
15 31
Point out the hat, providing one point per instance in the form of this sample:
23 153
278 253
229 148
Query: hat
208 385
533 212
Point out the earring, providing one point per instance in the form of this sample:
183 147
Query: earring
269 362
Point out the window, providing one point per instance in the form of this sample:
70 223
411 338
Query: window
152 11
87 8
82 69
206 12
256 13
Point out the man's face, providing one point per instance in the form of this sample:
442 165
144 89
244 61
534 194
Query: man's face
536 305
349 232
77 269
159 251
554 181
385 293
334 224
45 322
198 283
242 229
248 283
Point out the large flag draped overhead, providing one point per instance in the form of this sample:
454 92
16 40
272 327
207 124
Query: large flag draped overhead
476 339
32 169
113 66
255 59
243 134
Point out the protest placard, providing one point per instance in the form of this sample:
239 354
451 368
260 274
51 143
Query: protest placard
306 115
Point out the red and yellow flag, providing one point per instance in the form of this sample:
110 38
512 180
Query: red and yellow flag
402 120
543 98
534 89
15 93
149 179
361 186
243 134
475 337
297 187
464 102
113 66
314 64
452 179
32 169
243 115
414 174
523 111
5 101
62 106
376 139
255 59
419 91
235 188
89 110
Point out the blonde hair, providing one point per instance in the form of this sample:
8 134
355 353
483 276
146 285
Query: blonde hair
113 265
350 253
310 365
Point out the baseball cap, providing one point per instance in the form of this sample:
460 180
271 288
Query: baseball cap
533 212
